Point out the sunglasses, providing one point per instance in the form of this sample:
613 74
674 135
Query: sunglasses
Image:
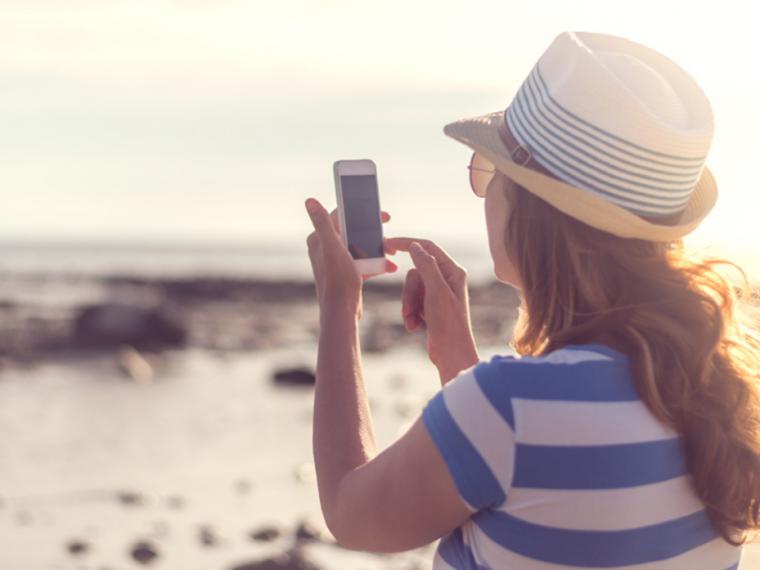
481 173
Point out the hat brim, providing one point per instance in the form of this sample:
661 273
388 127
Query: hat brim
481 134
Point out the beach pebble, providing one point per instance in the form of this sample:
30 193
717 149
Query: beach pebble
77 547
144 552
133 365
306 472
309 529
131 498
291 560
266 533
300 376
207 536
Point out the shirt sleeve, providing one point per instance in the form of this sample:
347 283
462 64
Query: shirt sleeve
470 421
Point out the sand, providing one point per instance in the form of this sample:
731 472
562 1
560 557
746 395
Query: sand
194 462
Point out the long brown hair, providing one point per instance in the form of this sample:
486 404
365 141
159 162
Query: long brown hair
694 351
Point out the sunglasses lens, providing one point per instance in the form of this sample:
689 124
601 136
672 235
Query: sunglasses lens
481 173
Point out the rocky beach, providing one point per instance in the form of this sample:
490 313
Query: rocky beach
42 318
166 422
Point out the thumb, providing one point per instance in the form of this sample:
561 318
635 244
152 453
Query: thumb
322 222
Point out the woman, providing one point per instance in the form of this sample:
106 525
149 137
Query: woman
625 434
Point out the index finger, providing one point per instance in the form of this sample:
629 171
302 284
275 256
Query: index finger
450 269
402 244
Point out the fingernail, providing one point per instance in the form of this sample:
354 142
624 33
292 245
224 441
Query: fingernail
311 206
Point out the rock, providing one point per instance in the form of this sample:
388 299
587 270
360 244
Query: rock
134 366
291 560
207 536
144 552
77 547
301 376
306 472
116 324
266 534
130 498
311 530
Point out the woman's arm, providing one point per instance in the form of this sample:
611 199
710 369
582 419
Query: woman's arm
402 498
343 437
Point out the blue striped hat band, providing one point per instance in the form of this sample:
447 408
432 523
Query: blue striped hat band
639 179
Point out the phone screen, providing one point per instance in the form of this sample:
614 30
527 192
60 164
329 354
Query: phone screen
361 206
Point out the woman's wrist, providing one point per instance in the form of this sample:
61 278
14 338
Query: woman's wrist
341 309
458 360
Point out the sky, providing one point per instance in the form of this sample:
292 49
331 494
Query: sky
135 120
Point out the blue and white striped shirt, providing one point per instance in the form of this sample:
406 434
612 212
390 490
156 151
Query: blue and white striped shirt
564 467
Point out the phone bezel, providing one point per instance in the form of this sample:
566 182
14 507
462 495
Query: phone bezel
363 166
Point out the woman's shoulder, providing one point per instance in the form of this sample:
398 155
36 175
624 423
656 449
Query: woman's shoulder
567 355
588 372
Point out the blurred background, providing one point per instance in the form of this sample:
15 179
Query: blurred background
157 316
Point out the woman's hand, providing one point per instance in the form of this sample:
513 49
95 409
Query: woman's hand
337 280
435 298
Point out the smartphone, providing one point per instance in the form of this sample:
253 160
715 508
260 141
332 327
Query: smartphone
359 213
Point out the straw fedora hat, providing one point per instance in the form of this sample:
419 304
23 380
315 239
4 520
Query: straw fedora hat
607 131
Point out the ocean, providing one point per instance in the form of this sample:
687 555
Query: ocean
284 260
